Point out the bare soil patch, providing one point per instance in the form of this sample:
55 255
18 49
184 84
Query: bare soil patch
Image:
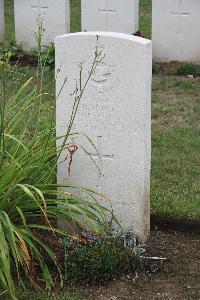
28 61
176 278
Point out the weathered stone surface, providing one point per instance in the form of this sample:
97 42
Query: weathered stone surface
115 112
2 24
110 15
176 30
54 15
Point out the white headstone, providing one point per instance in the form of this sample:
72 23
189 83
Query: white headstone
110 15
115 113
54 15
176 30
2 24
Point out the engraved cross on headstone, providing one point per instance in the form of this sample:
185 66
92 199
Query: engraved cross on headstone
180 14
39 4
100 158
107 11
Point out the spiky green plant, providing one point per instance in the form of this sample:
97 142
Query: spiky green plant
28 191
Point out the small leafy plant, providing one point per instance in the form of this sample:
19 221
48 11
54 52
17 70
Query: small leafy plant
47 55
156 68
176 68
188 69
10 50
96 261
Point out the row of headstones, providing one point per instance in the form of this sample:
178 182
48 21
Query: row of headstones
175 30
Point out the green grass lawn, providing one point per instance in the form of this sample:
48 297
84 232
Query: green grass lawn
175 181
175 185
9 20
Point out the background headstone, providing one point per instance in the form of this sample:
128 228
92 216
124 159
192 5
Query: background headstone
110 15
176 30
115 113
2 22
54 14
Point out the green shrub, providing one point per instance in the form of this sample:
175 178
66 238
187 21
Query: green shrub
99 262
10 50
188 69
47 55
156 68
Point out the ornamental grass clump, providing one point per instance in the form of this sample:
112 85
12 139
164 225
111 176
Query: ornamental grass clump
28 189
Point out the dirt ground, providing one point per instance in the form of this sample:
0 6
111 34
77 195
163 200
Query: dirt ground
176 278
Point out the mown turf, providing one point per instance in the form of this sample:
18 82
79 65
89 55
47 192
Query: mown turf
9 20
175 186
75 7
145 18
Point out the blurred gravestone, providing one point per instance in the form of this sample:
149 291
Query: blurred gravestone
110 15
29 14
176 30
115 113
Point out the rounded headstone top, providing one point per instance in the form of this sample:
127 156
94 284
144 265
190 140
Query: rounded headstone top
123 36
